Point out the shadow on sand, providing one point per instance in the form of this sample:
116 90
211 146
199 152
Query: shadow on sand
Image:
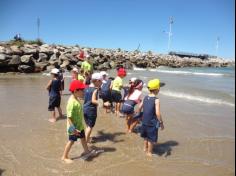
64 117
164 148
102 150
1 171
103 137
99 151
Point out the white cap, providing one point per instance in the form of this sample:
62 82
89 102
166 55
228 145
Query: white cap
133 79
103 73
54 71
75 70
96 76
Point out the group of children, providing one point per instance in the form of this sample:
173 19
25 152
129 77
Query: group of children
98 85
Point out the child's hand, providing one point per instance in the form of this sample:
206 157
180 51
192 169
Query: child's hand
162 126
76 132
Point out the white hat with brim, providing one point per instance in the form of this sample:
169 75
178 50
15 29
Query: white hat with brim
103 73
54 71
133 79
75 70
96 76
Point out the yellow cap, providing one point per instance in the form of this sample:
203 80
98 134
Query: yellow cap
154 84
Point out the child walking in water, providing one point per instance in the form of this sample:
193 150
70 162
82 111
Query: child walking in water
117 85
133 98
91 104
54 87
152 119
105 92
75 127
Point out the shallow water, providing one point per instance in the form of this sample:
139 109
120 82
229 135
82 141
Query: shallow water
199 138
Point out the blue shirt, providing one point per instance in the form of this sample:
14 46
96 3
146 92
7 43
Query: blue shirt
90 109
149 111
55 88
105 88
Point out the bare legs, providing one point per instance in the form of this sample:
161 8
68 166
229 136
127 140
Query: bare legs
66 152
67 149
128 122
88 132
54 118
148 147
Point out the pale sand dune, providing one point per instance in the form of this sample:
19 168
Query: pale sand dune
30 145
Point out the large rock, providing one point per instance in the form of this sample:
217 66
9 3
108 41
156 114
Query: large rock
40 66
16 60
46 49
2 49
16 50
29 49
4 59
42 57
65 64
27 59
26 69
104 66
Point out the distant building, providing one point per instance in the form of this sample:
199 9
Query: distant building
185 54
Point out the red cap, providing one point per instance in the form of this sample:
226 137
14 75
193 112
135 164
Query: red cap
76 84
81 55
121 72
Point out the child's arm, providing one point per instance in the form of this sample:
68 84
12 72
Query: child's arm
94 97
49 85
111 85
140 107
76 131
158 113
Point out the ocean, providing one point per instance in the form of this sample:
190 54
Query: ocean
203 85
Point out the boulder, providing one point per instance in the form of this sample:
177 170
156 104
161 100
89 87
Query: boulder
27 60
4 59
40 66
26 69
16 60
65 64
42 57
16 50
27 49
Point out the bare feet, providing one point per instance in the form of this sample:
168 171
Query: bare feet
67 160
52 120
129 131
149 154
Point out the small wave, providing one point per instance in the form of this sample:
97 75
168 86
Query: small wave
196 98
46 74
186 72
139 69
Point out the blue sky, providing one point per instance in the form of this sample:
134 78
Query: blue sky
124 23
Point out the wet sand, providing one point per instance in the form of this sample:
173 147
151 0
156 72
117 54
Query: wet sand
195 143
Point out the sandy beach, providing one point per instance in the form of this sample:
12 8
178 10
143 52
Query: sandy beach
203 145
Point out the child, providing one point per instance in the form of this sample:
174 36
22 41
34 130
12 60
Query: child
105 92
117 85
91 103
74 73
87 80
87 65
133 98
54 88
75 127
152 119
81 76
